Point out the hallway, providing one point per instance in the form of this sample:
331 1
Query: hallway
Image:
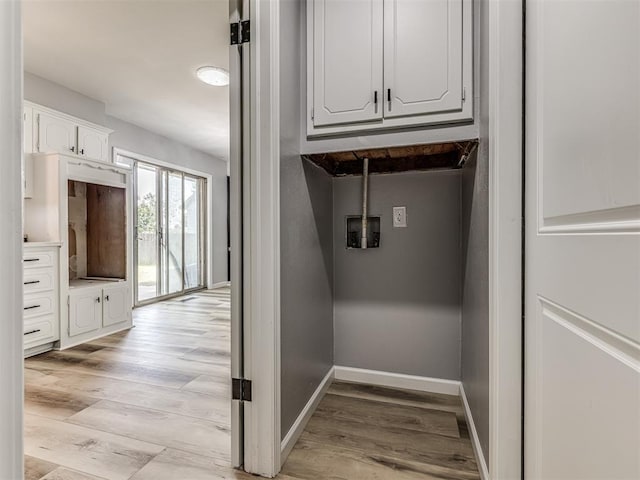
149 403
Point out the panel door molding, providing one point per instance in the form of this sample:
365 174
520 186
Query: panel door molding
117 306
93 143
423 57
56 135
85 311
347 61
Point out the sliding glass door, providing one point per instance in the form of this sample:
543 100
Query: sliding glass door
170 230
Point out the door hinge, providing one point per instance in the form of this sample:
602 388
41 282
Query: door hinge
241 389
240 32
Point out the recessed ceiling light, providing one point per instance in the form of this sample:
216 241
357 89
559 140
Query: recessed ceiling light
218 77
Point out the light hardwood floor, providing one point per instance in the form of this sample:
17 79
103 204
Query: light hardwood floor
153 404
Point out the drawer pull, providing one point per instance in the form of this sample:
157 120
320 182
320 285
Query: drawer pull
31 259
32 282
32 307
32 331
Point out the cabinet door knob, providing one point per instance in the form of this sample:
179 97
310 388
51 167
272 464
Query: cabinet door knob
82 151
73 149
375 97
106 298
389 95
98 300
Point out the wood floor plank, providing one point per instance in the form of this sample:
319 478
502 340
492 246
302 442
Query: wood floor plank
174 464
56 404
62 473
384 414
212 407
398 443
176 431
35 469
313 461
86 450
210 384
124 370
436 401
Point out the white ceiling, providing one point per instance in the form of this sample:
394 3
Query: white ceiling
138 57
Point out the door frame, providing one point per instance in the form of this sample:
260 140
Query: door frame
261 239
11 341
505 25
207 214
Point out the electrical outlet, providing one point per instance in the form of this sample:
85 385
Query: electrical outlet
399 217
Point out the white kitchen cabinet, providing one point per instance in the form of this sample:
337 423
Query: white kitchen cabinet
347 61
94 305
41 316
388 64
27 129
116 305
56 134
92 143
85 310
50 131
422 57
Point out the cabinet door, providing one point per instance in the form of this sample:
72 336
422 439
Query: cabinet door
347 61
55 135
93 143
117 305
27 131
85 311
423 61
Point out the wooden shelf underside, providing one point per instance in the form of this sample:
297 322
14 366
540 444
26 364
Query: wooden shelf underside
432 156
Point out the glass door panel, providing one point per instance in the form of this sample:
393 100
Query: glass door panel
147 268
192 236
175 214
170 228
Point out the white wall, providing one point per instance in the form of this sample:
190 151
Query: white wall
138 140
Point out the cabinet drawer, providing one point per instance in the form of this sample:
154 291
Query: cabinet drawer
39 331
38 280
36 259
36 304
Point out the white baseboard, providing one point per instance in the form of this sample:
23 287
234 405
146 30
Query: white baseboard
475 441
213 286
397 380
299 425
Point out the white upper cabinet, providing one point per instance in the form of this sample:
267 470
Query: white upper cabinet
379 64
93 143
56 135
422 56
50 131
347 61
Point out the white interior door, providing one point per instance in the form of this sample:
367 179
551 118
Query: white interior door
582 332
422 56
347 61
